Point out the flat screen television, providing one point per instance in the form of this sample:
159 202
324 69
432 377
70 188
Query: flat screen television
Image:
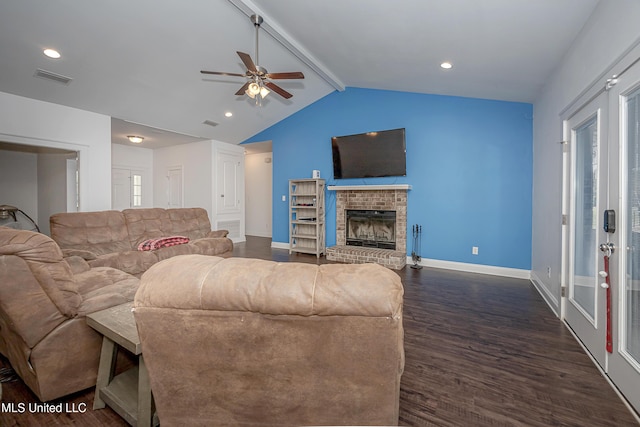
371 154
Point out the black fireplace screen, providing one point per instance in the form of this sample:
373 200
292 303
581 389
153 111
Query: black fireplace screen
375 229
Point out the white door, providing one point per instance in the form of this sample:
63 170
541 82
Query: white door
624 359
229 174
175 187
604 309
585 309
120 189
126 188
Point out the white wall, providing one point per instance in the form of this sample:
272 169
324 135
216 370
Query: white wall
32 122
19 181
138 159
195 159
609 32
258 188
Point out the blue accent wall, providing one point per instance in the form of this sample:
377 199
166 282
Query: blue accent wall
469 162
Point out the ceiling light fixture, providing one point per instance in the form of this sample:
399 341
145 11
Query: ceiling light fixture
135 139
228 114
256 89
446 65
51 53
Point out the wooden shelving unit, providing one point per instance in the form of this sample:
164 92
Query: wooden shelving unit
307 216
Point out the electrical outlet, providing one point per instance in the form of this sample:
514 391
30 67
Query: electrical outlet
284 198
549 272
474 250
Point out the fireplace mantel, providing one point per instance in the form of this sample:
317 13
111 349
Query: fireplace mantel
369 187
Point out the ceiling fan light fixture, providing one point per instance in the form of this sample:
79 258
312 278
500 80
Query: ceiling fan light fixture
253 89
264 92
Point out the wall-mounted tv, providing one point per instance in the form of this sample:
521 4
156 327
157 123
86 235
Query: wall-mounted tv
371 154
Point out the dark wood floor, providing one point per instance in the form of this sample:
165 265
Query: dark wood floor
480 351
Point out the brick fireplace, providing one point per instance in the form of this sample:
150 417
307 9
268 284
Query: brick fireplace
376 198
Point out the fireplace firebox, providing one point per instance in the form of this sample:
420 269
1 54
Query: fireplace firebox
371 228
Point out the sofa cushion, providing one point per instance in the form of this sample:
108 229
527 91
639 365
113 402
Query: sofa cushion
132 262
104 287
143 224
98 232
191 222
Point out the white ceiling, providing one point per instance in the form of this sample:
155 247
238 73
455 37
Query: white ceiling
139 61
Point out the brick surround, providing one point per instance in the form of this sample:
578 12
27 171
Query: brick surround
374 199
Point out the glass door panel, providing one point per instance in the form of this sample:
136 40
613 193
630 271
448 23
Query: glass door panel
631 294
583 289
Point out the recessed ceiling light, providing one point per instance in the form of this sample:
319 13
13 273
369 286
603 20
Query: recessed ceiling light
135 139
228 114
446 65
51 53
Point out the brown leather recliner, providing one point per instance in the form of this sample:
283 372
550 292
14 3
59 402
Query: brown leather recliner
43 302
247 342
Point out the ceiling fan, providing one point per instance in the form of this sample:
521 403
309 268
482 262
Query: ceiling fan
258 79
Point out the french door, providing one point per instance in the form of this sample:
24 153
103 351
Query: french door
603 257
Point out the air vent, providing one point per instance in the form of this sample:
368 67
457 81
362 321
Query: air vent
53 76
210 123
232 226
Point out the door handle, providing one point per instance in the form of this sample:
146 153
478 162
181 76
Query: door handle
607 248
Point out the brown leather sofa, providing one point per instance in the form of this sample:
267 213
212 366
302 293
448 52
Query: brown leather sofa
43 303
247 342
111 238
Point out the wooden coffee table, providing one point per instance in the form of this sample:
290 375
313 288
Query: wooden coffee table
129 394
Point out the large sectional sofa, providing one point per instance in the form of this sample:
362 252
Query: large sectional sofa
112 238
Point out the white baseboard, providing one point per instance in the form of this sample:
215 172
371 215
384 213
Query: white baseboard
474 268
451 265
280 245
257 234
548 297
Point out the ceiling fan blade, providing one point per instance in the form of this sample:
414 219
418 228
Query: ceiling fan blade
292 75
220 73
277 89
248 62
243 88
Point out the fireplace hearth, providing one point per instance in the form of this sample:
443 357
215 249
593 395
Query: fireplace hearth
371 228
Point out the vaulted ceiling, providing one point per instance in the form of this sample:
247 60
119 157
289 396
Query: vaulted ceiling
139 61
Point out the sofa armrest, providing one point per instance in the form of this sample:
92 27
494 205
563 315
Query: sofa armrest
218 233
84 254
